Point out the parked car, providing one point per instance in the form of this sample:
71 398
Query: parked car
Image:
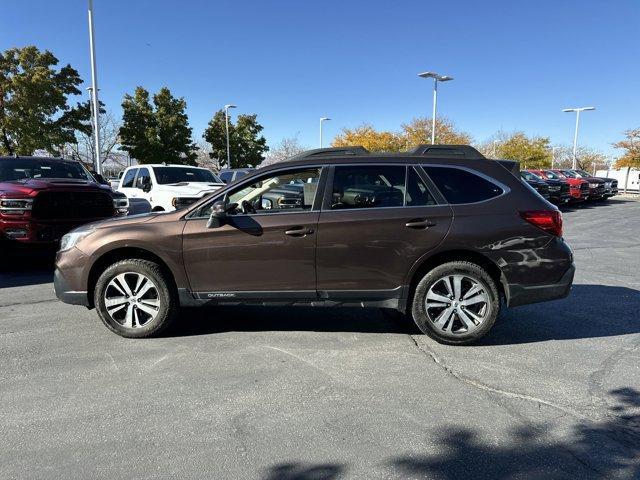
229 175
610 185
168 187
596 186
115 181
41 199
537 183
578 189
440 233
557 190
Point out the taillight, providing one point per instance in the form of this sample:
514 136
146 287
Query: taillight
547 220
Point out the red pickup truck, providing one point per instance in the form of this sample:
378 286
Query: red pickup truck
578 188
42 198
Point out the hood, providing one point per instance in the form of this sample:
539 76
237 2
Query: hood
121 221
553 182
31 186
189 189
593 179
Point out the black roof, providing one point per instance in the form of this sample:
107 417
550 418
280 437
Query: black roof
31 157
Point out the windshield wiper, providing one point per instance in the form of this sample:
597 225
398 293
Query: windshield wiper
177 184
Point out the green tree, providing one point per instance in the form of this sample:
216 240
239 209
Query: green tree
34 109
531 152
247 146
157 133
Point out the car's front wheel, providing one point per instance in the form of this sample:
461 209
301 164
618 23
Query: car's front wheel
135 299
456 303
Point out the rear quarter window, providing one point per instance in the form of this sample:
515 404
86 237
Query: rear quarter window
462 186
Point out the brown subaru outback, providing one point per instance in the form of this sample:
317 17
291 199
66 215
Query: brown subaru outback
440 233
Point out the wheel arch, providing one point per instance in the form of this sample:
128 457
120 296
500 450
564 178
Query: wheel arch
431 262
124 253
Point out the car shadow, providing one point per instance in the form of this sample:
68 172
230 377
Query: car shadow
589 311
578 316
26 266
248 318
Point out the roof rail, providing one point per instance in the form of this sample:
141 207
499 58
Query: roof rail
451 151
331 152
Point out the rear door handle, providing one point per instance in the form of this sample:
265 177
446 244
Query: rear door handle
420 224
298 231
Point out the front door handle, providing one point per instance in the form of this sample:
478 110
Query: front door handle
420 224
298 231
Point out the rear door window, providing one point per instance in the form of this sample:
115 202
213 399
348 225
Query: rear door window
128 178
368 186
461 186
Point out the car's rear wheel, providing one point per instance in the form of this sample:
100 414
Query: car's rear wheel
456 303
135 299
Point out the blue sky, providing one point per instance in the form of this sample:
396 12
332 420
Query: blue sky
516 63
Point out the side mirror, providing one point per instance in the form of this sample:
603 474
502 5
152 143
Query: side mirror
219 213
146 187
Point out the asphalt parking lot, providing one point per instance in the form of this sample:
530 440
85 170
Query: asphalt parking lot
298 393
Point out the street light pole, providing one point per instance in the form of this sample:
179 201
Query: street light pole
436 78
322 119
226 121
575 134
94 93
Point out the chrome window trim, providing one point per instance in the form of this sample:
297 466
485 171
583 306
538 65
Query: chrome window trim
505 189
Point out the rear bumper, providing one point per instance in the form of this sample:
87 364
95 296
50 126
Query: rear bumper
523 295
65 293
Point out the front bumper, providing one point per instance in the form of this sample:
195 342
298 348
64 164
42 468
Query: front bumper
559 198
523 295
65 293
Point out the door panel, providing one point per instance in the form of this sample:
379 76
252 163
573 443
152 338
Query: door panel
252 253
374 248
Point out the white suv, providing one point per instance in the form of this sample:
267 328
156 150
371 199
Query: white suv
167 187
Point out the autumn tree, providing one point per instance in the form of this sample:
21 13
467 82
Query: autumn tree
418 132
158 133
247 146
412 134
631 153
34 109
369 138
285 149
531 152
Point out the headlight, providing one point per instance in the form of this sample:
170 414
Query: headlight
17 206
72 238
554 189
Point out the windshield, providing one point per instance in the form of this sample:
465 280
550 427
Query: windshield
570 174
14 169
553 175
582 173
530 176
169 175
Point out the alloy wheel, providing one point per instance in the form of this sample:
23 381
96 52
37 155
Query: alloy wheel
457 304
131 299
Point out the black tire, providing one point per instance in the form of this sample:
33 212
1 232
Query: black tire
165 296
458 336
